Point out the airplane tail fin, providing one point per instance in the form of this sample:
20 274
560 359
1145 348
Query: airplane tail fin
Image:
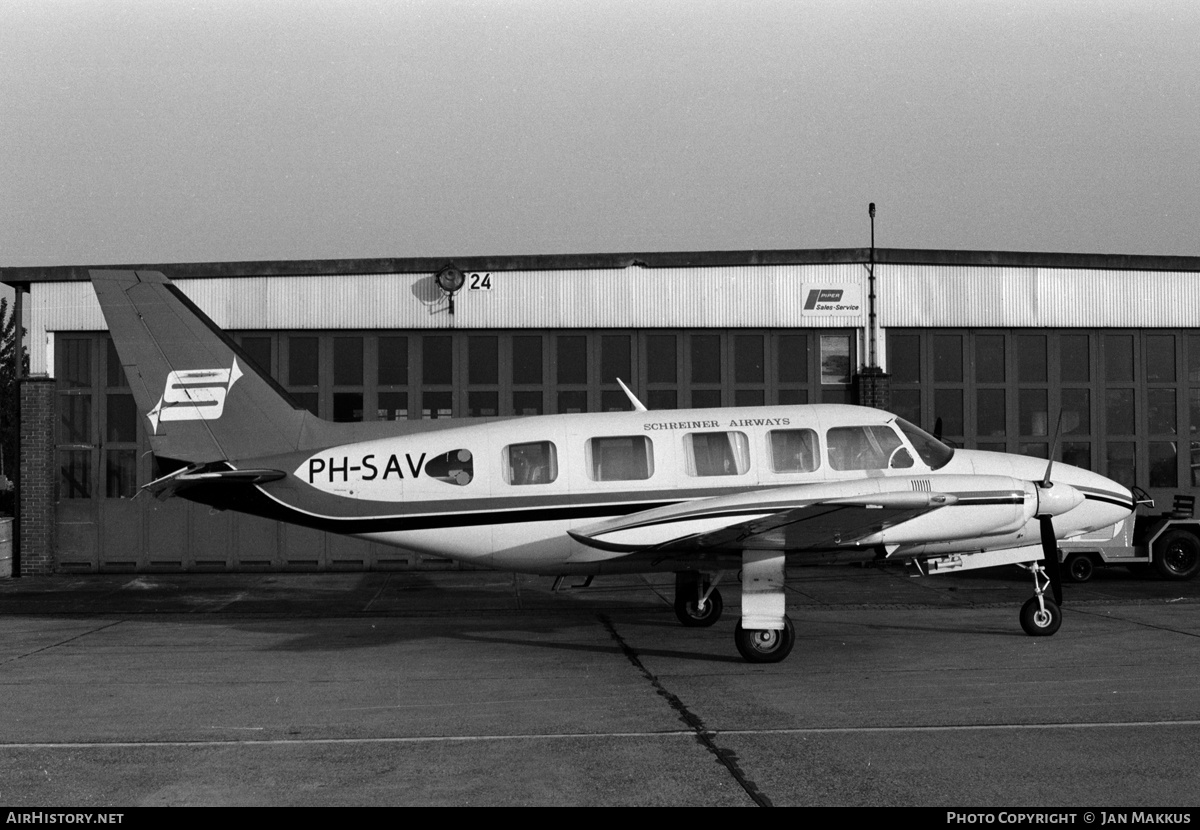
202 398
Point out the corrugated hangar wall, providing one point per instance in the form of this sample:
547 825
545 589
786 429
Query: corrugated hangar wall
938 324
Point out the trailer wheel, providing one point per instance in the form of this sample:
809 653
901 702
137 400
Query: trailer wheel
1080 567
1177 555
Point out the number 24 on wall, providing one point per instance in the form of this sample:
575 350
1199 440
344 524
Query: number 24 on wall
479 282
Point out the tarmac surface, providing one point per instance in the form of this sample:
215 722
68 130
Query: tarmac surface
478 688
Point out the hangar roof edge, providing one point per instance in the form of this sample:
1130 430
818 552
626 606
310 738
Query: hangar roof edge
562 262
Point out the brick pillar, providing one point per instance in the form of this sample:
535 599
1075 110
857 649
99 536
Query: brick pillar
35 497
873 388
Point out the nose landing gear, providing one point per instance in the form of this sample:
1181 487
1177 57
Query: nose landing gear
1040 616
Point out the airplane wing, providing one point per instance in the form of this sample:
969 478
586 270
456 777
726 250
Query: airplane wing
786 519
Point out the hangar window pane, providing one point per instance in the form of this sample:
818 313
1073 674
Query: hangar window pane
114 369
75 474
1077 454
904 358
393 361
907 404
527 359
393 406
347 361
1161 411
483 404
303 364
992 414
793 397
948 407
620 458
793 358
835 359
532 463
749 397
309 400
615 358
1033 414
1194 358
661 359
1076 411
75 367
436 405
1118 358
614 400
793 450
1118 409
347 406
1164 464
483 359
75 419
1121 466
706 358
862 448
258 352
1160 358
1076 360
748 358
1031 358
121 422
572 359
527 403
437 360
706 398
989 358
120 479
716 453
572 402
947 358
662 399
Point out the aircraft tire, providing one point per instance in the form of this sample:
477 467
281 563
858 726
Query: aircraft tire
687 613
765 646
1080 567
1039 624
1177 555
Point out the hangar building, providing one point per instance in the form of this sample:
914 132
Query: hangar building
985 347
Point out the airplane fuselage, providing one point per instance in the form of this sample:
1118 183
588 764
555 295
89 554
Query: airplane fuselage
507 493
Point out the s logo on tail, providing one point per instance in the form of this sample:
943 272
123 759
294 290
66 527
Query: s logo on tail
194 395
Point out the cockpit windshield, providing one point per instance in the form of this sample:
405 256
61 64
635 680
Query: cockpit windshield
932 451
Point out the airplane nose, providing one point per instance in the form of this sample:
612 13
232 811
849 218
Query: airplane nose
1056 499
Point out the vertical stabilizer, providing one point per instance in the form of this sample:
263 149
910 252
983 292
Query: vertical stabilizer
202 399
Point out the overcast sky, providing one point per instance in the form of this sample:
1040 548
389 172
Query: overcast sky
172 131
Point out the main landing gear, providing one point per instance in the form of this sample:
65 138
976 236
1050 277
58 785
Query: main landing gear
764 634
1040 616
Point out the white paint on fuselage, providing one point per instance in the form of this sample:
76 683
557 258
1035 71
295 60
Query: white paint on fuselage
356 471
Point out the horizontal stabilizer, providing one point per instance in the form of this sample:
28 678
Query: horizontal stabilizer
169 485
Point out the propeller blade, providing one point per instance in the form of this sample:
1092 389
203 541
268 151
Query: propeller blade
1053 450
1050 557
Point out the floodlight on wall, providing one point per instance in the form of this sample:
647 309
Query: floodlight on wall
450 280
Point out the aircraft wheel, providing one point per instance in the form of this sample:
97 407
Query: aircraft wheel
1039 623
1177 555
1080 567
765 645
691 616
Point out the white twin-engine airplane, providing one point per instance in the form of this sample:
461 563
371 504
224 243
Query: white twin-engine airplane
696 492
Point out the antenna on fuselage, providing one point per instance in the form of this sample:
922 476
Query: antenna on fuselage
637 405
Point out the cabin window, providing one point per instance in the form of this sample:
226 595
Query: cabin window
620 458
532 463
793 450
866 448
454 467
717 453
